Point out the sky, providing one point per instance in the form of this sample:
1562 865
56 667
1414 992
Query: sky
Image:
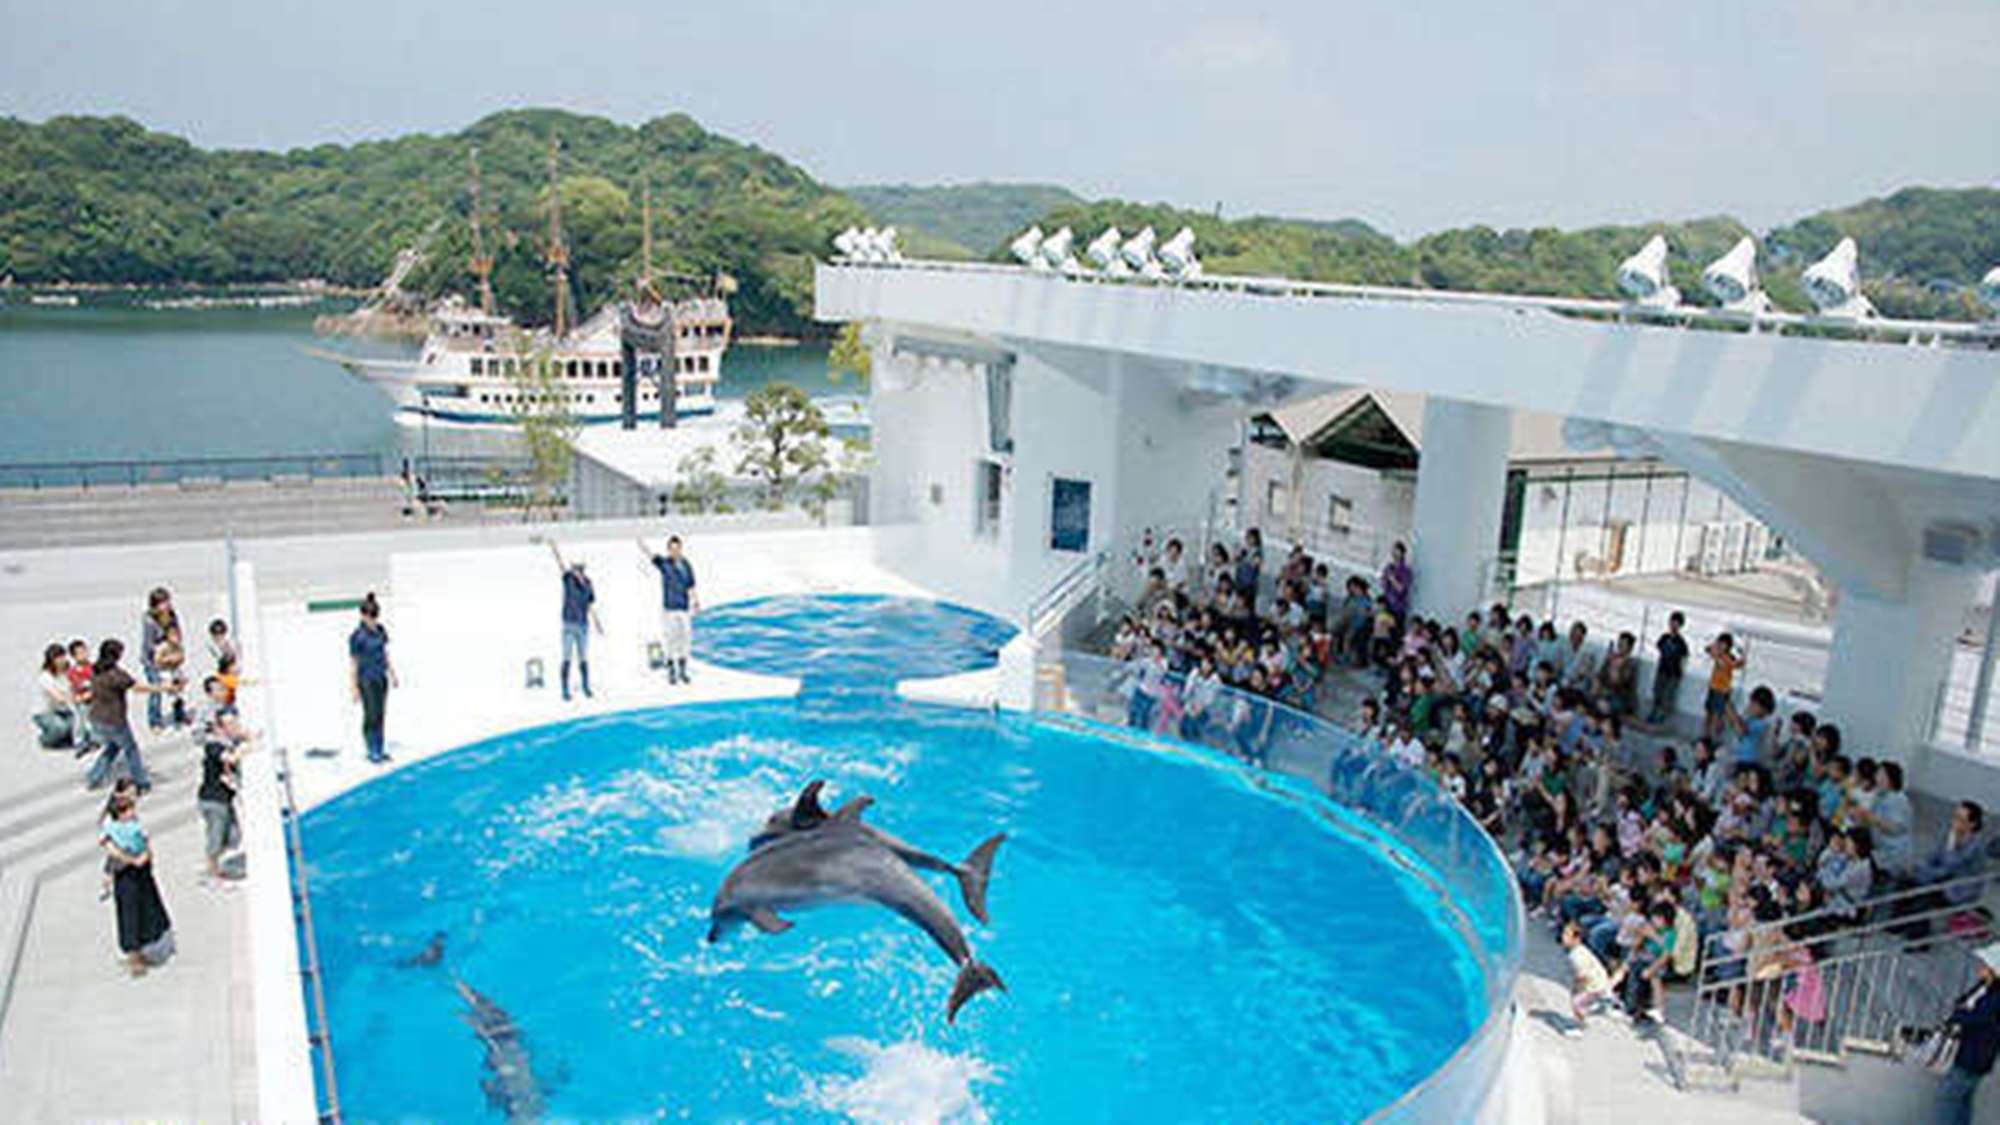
1413 115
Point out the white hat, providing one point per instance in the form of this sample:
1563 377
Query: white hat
1989 955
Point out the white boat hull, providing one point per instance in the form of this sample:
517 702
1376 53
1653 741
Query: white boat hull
481 400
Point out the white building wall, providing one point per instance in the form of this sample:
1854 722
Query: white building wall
929 428
1380 506
1172 458
1149 460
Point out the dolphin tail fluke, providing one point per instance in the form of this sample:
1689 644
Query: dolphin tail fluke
973 874
975 978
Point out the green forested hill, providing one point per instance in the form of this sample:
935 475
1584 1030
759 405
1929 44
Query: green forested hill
91 199
977 217
97 199
1921 250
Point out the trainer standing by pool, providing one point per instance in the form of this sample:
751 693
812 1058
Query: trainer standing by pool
579 613
368 650
678 603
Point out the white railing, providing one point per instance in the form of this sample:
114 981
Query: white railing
1048 611
1823 985
1884 330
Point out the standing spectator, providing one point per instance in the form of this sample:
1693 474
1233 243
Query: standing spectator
153 632
142 917
1250 567
678 605
1673 653
1174 565
108 686
578 615
79 688
221 646
1976 1016
222 738
1397 580
1724 663
374 675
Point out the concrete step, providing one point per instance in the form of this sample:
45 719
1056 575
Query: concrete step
21 884
36 820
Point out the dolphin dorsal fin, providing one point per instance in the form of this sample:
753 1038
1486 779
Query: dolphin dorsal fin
852 810
806 811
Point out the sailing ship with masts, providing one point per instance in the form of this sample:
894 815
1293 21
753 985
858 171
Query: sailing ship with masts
471 365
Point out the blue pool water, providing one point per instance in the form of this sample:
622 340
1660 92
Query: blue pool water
850 640
1181 940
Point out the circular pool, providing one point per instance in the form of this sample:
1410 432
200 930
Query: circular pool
516 929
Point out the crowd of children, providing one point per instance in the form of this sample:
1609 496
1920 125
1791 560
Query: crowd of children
1736 846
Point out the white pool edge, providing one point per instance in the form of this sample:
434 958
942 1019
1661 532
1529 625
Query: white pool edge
285 1087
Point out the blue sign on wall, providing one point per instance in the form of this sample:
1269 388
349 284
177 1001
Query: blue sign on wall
1069 515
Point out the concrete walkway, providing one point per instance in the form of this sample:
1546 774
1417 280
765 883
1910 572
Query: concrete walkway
79 1039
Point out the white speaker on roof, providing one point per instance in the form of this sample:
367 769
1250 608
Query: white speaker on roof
1643 276
845 242
1138 253
1177 254
885 244
1027 246
1056 250
1834 283
1732 279
1989 290
1103 252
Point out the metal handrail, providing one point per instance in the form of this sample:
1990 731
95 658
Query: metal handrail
1985 334
321 1035
132 472
1869 974
1076 583
1872 909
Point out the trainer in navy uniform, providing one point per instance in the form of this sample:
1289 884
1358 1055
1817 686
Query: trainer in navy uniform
678 604
579 613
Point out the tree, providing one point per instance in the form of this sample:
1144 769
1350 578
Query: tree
848 462
539 403
849 355
781 439
701 486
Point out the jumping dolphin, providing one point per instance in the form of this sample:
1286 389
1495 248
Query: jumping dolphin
839 862
511 1087
807 814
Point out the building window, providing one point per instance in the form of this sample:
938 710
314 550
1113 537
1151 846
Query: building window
1339 515
477 363
1277 500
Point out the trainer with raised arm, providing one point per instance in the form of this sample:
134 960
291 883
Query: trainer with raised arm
579 616
678 605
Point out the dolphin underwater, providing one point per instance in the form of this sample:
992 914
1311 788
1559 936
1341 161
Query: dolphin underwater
807 814
512 1086
837 861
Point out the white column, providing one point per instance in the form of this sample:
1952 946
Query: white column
1891 658
1461 487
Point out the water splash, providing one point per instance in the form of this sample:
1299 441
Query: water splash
902 1082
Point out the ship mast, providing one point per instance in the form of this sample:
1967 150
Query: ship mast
647 290
482 262
558 254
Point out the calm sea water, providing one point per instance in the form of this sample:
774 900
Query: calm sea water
112 380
